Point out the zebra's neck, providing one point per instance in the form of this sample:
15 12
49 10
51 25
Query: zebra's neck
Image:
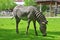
38 14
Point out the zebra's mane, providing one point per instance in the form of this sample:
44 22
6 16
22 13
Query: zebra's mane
39 15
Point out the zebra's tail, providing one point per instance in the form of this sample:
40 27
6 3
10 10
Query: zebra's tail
12 16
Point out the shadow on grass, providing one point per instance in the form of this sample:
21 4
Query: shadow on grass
10 34
54 33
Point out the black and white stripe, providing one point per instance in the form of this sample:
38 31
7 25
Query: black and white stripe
39 15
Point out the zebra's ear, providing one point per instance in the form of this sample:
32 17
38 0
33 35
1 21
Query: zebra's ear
43 22
47 22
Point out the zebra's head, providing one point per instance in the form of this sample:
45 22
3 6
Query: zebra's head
43 27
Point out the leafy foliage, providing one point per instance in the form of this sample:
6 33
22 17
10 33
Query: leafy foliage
32 2
6 4
44 7
29 2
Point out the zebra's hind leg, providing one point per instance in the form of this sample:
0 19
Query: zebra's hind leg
34 22
17 22
28 26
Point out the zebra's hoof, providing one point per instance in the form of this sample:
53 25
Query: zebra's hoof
45 35
17 32
36 34
26 33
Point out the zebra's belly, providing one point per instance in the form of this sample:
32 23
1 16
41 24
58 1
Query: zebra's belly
24 18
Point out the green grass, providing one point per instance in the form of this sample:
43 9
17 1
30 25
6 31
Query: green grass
7 30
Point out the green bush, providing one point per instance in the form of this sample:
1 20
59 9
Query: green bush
29 2
7 4
44 8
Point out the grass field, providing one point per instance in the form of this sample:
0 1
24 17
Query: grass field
7 30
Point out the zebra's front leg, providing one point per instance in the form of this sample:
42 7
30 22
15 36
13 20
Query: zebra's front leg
17 22
28 26
34 22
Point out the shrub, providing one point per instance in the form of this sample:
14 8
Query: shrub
7 4
29 2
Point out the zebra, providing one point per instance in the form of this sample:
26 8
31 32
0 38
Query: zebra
30 13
